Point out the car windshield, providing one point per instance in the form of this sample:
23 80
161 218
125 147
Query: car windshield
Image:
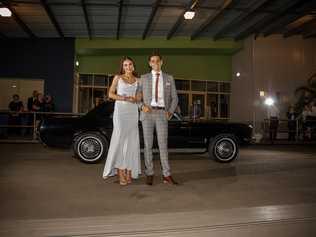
104 109
176 117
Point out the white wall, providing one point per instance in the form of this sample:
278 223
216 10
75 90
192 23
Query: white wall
272 64
23 87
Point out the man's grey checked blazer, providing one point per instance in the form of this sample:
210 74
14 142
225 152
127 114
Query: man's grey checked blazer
170 92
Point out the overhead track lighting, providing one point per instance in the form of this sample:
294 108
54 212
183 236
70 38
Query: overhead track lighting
190 13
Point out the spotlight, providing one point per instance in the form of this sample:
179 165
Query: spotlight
5 12
269 101
188 15
77 63
238 74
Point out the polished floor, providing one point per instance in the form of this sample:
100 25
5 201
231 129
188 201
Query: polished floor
268 191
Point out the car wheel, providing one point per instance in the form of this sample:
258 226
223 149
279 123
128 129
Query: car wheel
223 148
90 147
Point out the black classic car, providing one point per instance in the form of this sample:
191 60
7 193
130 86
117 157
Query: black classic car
90 135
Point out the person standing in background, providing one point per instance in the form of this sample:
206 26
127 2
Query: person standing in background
292 123
15 107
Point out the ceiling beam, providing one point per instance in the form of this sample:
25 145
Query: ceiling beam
119 18
301 28
179 6
211 19
151 17
267 20
18 20
180 19
86 17
270 29
52 18
244 16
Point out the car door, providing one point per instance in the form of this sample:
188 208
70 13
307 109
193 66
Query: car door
178 132
197 137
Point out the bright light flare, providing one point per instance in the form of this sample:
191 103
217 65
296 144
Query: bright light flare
269 101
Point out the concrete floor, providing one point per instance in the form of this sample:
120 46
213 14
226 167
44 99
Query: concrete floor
268 191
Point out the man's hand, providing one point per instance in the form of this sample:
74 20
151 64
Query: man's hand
131 99
168 115
146 109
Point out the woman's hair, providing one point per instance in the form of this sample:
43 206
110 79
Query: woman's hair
135 74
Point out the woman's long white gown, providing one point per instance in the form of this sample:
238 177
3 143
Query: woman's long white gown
124 150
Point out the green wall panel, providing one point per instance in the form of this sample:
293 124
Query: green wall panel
183 58
200 67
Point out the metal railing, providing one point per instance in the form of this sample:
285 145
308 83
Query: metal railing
22 126
301 129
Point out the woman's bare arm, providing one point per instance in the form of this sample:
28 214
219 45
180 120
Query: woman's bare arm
112 92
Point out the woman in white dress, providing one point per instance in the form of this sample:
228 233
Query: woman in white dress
123 156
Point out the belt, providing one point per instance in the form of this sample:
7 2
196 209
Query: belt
157 108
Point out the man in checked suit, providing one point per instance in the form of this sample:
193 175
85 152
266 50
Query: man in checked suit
159 101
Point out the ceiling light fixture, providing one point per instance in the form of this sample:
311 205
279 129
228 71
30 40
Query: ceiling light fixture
188 15
5 12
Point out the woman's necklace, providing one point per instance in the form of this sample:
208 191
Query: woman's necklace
128 79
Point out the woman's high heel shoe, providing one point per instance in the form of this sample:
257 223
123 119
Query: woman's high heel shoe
129 176
122 177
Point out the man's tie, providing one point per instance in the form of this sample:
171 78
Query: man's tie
156 89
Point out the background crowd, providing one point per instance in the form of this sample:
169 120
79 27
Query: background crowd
21 118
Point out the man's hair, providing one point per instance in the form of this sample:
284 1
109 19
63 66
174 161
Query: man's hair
153 54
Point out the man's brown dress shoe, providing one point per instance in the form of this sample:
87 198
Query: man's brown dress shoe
149 179
169 180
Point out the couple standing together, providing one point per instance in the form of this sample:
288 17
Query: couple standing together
155 95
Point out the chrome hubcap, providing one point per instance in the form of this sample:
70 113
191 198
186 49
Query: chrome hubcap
225 149
90 148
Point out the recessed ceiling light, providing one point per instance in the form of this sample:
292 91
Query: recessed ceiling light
188 15
5 12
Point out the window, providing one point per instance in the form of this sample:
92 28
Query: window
224 87
224 106
198 85
204 99
197 98
182 85
85 80
212 106
100 80
93 90
212 86
183 104
198 107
